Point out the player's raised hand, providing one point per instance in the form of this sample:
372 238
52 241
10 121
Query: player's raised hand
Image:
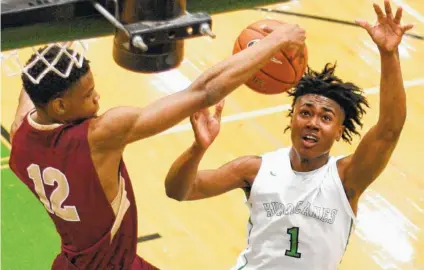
205 126
387 32
291 34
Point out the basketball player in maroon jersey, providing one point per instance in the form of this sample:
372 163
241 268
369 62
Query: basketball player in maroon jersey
71 159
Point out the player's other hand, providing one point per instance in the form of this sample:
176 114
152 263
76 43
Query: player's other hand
387 32
205 126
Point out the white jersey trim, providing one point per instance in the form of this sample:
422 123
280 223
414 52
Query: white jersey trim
40 126
339 184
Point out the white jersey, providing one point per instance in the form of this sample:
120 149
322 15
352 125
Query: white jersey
298 220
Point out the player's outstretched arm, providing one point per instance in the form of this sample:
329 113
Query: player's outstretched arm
24 106
185 182
373 153
120 126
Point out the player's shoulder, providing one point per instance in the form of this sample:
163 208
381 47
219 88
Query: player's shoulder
103 126
100 120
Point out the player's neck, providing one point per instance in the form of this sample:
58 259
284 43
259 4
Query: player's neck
42 118
302 164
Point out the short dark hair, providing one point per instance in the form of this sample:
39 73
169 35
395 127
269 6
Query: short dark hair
348 95
52 85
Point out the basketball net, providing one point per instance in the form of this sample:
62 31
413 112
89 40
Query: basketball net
13 65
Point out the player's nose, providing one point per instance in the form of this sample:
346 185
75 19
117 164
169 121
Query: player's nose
312 123
96 97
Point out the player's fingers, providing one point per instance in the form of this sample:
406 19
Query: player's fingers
218 109
364 24
193 117
388 9
398 16
193 121
300 51
379 12
204 112
407 27
297 45
302 58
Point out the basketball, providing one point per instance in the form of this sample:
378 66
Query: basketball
282 72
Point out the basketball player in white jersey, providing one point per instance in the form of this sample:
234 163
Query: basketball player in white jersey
302 201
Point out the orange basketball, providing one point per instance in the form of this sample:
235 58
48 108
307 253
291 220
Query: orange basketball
281 73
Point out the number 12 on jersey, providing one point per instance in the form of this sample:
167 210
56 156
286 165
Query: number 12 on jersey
294 242
50 176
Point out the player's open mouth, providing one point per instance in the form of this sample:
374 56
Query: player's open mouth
309 140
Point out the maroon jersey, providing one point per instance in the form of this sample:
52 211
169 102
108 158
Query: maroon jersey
55 163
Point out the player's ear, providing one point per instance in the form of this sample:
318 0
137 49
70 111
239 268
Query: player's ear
59 106
340 132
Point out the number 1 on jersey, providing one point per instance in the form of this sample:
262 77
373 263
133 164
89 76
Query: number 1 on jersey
294 242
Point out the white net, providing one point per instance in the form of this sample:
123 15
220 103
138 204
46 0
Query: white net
13 64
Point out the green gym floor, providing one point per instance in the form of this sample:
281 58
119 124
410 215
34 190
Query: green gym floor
26 230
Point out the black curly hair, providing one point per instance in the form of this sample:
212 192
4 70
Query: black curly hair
51 85
349 96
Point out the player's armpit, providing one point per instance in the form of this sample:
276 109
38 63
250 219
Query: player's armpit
370 158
